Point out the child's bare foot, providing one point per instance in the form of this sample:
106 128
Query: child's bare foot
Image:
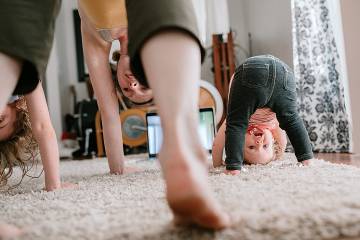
188 192
9 231
232 172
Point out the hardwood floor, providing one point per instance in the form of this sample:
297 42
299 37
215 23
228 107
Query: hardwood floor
344 158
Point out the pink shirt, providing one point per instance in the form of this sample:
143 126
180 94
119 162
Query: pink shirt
263 118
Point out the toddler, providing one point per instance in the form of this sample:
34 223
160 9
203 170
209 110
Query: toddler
264 140
262 82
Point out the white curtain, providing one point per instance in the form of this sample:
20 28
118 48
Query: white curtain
319 74
213 18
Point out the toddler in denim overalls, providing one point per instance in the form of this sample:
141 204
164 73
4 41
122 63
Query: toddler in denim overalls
262 82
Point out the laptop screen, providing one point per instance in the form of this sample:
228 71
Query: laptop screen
154 132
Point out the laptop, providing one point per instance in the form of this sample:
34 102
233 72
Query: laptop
206 131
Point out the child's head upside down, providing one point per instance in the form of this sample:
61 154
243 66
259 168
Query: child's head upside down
15 135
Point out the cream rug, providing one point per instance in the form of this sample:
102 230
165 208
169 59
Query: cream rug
278 201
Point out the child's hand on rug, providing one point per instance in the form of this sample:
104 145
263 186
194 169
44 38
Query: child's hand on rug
232 172
9 231
216 164
306 162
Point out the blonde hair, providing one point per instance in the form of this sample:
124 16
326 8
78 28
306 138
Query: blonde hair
278 151
21 148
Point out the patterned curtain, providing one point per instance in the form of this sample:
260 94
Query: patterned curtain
317 70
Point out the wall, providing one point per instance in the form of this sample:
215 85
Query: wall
269 22
213 18
68 75
350 19
52 90
239 25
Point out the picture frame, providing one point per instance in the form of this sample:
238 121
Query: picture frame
83 72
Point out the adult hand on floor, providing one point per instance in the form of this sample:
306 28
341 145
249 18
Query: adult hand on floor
127 170
64 185
132 170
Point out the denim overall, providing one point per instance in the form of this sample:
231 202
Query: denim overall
263 81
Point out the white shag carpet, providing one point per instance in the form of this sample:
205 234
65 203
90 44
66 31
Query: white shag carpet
278 201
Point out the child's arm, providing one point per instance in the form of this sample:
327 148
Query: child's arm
219 143
218 146
280 137
45 136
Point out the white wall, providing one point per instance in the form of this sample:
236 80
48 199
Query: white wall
68 75
239 25
351 19
269 22
52 90
213 18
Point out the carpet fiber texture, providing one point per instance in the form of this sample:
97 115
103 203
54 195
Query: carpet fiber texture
281 200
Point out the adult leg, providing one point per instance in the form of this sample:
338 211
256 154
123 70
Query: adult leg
96 53
174 79
9 76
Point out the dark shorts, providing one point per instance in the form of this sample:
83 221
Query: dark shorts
26 32
148 17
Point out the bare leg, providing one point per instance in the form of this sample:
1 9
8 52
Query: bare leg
97 59
10 71
9 231
172 65
108 106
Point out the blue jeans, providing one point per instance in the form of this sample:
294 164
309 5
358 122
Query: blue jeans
263 81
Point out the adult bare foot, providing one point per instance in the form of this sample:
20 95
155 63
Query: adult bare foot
188 193
9 231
